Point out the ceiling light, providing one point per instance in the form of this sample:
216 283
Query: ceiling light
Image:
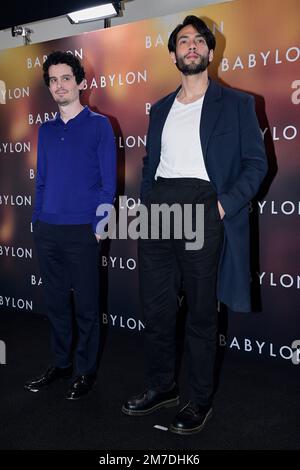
95 13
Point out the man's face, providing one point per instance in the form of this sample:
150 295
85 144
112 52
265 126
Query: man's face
62 85
192 55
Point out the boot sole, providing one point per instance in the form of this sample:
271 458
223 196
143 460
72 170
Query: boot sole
164 404
192 430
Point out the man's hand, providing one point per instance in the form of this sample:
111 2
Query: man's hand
97 237
221 210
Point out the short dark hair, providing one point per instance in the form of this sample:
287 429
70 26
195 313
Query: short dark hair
59 57
199 25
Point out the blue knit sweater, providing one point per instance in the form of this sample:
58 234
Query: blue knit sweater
76 169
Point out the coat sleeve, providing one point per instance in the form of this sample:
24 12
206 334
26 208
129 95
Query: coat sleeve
253 161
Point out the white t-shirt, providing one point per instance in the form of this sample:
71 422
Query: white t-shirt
181 152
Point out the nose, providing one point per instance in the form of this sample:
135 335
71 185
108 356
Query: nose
192 46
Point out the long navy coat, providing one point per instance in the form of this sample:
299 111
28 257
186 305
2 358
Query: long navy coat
236 164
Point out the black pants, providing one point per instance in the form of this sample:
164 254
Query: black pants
159 263
68 257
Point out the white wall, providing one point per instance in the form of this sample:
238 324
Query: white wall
134 10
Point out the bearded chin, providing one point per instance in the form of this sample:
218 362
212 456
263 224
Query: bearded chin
63 102
192 69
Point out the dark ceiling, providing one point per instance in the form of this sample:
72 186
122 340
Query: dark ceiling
19 13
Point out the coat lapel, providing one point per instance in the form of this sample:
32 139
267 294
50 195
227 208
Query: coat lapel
160 119
210 112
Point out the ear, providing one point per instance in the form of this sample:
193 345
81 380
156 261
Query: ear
82 85
173 57
211 55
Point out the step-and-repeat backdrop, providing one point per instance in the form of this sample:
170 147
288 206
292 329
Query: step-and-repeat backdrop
128 68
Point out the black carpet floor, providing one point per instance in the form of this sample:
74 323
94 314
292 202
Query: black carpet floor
256 406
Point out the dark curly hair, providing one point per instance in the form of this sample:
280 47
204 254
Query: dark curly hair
199 25
59 57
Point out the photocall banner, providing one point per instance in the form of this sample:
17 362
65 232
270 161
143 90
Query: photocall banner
127 69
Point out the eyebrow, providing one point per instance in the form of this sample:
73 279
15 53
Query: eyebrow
186 36
64 75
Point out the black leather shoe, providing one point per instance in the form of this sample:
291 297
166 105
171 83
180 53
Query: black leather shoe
81 385
150 401
50 376
191 419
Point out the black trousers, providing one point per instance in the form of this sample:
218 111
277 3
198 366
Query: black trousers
159 263
68 257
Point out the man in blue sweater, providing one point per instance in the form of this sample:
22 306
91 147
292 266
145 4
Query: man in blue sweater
76 172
